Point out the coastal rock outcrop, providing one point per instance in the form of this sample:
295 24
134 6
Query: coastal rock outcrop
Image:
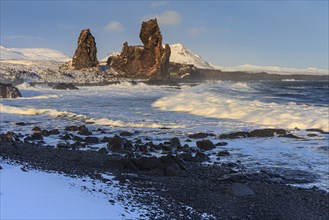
85 54
150 61
9 91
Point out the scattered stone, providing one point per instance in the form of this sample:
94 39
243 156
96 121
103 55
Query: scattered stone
36 136
77 138
200 135
125 134
205 145
175 143
9 137
66 137
312 135
221 144
290 136
268 132
188 140
203 156
9 91
103 150
65 86
45 133
83 130
54 132
85 54
240 134
72 128
238 189
223 153
20 123
24 170
36 129
63 145
92 140
118 144
317 130
106 139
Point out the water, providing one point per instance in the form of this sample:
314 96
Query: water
216 107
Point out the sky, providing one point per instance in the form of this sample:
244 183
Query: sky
226 33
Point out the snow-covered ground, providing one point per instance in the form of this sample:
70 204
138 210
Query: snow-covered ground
40 195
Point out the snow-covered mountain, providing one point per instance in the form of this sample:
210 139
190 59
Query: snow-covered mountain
275 69
180 54
32 54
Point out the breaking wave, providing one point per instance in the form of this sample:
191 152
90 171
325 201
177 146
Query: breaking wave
199 101
64 114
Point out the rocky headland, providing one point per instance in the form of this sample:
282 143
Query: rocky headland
150 61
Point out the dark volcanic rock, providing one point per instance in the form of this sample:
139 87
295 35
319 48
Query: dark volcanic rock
65 86
9 137
36 136
205 145
119 144
83 130
268 132
9 91
150 61
240 134
85 54
223 153
125 133
200 135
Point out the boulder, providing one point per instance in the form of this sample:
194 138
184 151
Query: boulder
85 54
65 86
239 134
150 61
83 130
268 132
200 135
9 91
205 145
9 137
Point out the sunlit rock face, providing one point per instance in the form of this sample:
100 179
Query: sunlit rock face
150 61
85 54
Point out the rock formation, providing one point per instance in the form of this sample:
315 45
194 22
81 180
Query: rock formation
149 61
9 91
85 54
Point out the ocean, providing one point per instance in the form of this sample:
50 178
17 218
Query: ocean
159 113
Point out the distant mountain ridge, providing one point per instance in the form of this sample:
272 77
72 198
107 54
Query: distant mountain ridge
32 54
179 54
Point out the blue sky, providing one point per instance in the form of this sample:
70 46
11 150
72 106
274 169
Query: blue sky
227 33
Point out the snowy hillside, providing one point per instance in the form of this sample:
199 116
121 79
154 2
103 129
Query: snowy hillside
32 54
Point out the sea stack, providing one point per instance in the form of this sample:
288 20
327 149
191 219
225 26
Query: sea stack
85 54
9 91
150 61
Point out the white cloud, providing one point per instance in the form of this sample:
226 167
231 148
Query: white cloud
23 37
195 31
157 4
114 26
166 18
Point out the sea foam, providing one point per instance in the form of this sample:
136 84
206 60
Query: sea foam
199 101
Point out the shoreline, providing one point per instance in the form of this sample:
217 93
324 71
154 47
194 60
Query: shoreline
223 190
